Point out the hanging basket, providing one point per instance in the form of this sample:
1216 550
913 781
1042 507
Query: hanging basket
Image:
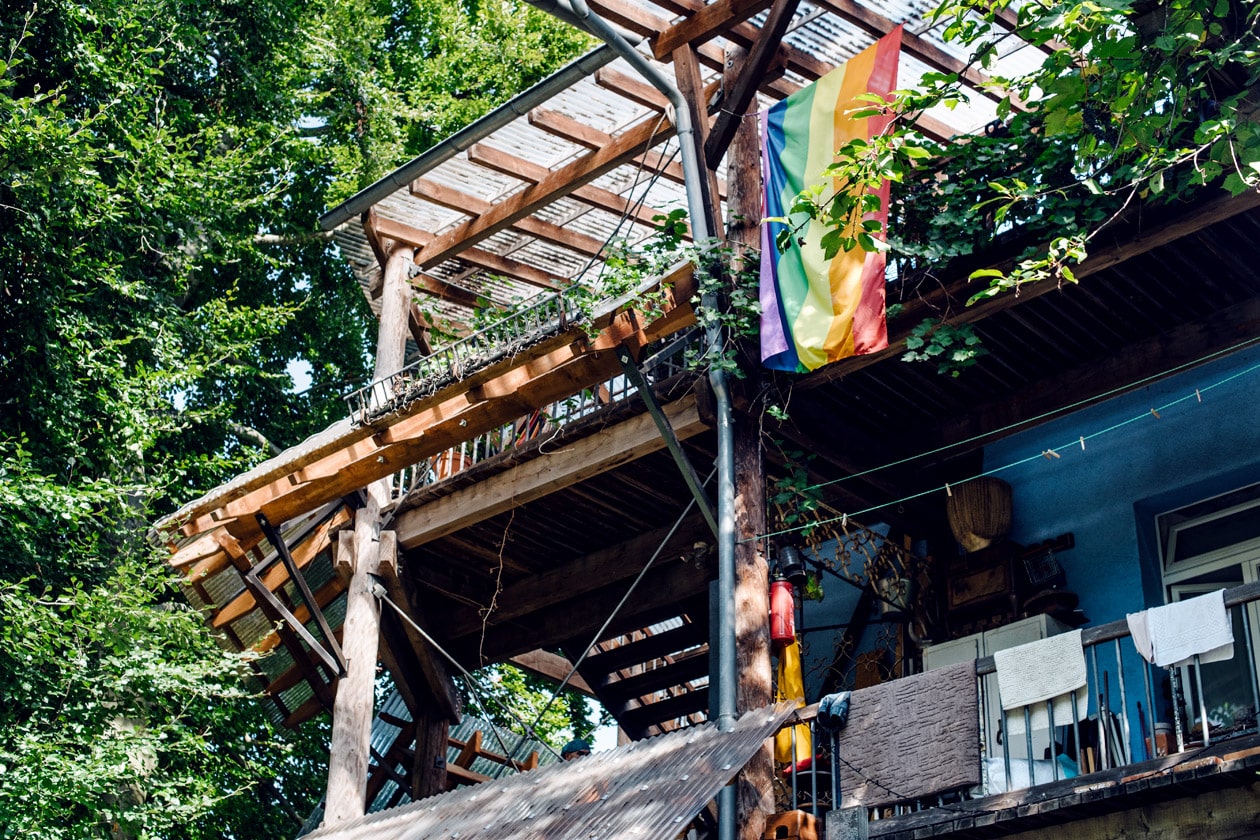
979 512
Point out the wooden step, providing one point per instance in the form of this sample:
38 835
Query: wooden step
637 721
616 693
648 648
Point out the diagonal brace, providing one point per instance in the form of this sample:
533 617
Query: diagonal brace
330 651
694 484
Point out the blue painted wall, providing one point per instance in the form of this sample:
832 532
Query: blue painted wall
1133 467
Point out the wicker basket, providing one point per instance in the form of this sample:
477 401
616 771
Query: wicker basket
979 512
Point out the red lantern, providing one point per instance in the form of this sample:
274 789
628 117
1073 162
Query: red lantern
782 612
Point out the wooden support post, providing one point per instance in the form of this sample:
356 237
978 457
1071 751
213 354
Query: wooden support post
352 707
428 773
754 794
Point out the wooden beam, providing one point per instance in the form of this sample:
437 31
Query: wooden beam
560 182
306 550
494 263
534 479
927 52
705 24
583 575
449 292
687 75
552 666
1187 223
437 674
667 584
472 205
631 87
591 195
741 91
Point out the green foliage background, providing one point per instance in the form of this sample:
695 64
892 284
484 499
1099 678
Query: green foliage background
162 167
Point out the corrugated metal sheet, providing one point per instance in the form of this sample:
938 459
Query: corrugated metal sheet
817 32
649 789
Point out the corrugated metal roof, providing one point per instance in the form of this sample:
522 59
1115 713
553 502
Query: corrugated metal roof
649 789
604 102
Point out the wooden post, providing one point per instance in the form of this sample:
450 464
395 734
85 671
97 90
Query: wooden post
754 795
428 773
352 707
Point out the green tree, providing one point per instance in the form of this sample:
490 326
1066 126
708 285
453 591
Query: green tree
162 167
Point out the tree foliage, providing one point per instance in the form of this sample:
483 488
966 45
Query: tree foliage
1134 103
162 167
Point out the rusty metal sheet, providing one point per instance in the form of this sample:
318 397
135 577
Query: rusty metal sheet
649 789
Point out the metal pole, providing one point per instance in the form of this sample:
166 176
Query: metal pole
1126 747
577 12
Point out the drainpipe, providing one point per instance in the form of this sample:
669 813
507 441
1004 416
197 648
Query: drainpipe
579 14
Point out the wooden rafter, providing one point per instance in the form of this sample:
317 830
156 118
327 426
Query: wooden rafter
1208 213
736 100
494 263
590 194
534 479
705 24
560 182
472 205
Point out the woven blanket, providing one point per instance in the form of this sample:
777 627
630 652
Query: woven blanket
1173 634
1049 669
913 737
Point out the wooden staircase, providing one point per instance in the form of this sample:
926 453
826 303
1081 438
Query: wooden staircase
655 679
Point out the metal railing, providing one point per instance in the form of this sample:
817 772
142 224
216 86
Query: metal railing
1137 712
667 362
551 315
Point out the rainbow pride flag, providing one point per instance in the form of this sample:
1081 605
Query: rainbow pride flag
813 311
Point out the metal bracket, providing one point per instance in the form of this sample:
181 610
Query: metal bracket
689 474
329 652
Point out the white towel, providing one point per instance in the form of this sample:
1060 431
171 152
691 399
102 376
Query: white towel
1139 629
1182 629
1050 669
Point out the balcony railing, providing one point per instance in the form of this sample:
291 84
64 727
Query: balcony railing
1181 709
666 363
551 315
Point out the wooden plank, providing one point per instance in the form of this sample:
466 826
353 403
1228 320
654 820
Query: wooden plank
428 771
691 635
303 553
472 205
494 263
562 125
705 24
560 182
450 292
1191 221
594 196
682 670
741 89
603 451
664 587
631 87
637 721
585 574
551 666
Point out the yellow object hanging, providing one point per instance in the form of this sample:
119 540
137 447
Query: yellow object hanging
790 685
